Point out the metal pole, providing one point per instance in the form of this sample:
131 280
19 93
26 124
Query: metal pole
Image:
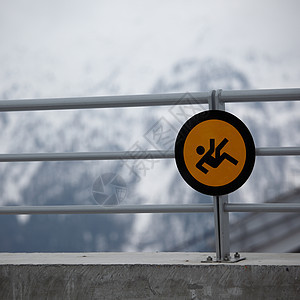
221 228
125 155
220 216
260 95
217 228
277 151
262 207
98 209
149 100
122 155
104 102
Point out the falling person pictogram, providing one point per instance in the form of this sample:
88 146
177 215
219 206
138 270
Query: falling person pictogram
210 160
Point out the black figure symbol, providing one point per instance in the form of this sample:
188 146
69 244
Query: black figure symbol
214 162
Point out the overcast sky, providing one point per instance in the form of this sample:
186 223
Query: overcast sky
57 48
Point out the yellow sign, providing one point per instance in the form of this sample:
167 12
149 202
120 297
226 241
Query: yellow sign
215 152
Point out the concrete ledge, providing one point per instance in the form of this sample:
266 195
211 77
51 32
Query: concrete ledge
147 276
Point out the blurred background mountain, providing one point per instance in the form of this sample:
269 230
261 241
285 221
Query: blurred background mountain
85 48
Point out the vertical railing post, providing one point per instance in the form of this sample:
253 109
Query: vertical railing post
221 228
221 217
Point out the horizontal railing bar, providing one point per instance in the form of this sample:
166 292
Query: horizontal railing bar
125 155
122 155
148 100
134 209
277 151
105 101
262 207
260 95
97 209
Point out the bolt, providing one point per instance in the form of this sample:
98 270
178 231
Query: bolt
226 258
209 258
237 255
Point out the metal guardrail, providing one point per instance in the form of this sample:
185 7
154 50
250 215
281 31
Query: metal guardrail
151 154
149 100
93 209
216 99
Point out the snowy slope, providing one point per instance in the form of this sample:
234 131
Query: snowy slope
64 49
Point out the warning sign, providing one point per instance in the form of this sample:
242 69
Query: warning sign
215 152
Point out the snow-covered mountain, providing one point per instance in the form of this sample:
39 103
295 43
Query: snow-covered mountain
97 49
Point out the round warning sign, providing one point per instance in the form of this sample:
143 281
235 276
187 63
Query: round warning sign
215 152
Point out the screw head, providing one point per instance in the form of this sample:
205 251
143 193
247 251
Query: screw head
209 258
227 258
237 255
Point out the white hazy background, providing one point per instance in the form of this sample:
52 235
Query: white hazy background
58 48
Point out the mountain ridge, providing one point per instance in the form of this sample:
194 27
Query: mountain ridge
57 183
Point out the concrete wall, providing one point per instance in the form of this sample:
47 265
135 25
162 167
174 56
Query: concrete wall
147 276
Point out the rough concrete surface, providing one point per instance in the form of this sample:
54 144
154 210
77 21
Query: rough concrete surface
147 276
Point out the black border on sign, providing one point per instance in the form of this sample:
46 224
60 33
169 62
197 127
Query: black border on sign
250 152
